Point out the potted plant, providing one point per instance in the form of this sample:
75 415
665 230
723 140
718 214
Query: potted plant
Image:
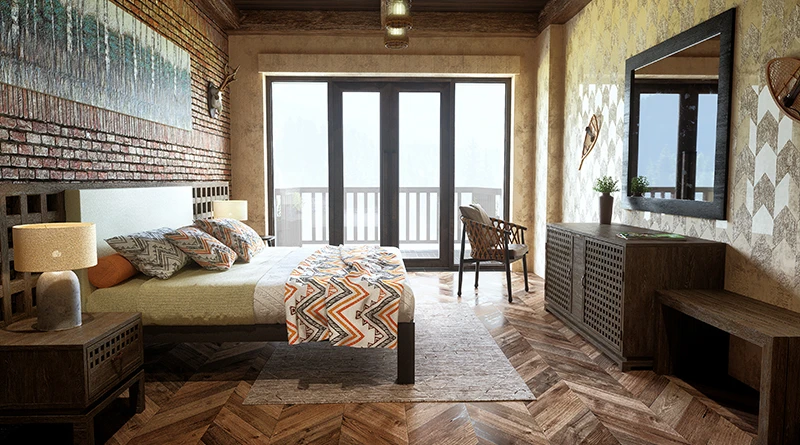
606 185
639 185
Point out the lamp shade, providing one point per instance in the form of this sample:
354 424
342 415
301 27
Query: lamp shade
54 247
234 209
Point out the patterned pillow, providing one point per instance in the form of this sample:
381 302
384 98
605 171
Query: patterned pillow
234 234
203 248
150 252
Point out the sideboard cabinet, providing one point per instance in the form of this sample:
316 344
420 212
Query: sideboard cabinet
604 286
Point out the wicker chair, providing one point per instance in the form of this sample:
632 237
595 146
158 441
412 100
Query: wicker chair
501 241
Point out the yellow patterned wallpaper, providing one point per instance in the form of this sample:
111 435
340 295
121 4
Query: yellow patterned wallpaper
764 200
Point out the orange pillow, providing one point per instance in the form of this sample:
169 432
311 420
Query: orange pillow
111 270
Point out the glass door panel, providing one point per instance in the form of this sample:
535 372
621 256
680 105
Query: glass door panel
419 174
300 162
480 147
361 134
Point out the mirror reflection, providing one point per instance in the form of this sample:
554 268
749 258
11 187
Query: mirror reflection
677 123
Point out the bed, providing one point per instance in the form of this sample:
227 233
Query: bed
244 303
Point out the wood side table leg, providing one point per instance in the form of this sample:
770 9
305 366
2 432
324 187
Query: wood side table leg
771 411
136 395
83 432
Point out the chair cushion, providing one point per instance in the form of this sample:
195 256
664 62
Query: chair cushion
483 217
515 251
470 213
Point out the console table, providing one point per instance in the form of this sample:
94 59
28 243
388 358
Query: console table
604 286
689 324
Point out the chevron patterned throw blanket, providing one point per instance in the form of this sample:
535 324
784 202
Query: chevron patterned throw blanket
347 295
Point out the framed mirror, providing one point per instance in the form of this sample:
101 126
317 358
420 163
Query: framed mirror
677 118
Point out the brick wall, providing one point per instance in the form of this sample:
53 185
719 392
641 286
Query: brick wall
44 138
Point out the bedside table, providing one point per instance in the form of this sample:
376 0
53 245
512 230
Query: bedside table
269 239
70 376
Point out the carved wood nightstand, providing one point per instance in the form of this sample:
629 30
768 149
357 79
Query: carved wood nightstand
70 376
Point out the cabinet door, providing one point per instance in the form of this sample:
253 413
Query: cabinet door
602 301
578 273
558 269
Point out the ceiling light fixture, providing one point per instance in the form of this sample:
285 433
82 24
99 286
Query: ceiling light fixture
397 22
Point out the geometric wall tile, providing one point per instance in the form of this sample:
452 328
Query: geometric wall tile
767 130
762 222
788 161
782 194
764 195
784 132
785 228
766 104
766 163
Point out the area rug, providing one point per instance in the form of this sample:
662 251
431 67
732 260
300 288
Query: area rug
457 361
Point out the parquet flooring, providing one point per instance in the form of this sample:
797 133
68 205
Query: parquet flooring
195 393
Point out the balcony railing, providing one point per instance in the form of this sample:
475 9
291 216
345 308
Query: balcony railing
301 214
700 193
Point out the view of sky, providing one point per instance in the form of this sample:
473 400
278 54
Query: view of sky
658 138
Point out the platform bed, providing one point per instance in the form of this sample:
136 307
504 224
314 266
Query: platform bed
273 332
128 209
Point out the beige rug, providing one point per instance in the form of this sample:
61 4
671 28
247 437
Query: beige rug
457 361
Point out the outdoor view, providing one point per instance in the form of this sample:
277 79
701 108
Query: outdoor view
300 153
658 143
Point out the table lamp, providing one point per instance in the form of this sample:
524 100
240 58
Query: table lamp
235 209
56 249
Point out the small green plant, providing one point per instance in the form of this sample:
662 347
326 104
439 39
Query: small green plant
606 184
640 185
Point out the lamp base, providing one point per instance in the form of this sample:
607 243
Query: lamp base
59 301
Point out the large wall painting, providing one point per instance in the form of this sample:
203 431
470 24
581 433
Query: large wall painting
93 52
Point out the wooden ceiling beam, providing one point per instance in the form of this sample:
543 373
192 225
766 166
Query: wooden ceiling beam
425 23
224 12
558 12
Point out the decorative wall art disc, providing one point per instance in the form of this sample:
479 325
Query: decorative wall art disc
783 78
592 133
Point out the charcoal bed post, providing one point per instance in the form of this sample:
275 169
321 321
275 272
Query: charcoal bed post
405 353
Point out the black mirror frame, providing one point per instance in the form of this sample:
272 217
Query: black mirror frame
724 26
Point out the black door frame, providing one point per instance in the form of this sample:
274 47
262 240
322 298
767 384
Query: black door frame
389 88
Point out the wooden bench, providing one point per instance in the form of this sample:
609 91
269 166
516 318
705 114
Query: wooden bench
692 328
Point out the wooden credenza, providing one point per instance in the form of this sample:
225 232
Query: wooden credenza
604 286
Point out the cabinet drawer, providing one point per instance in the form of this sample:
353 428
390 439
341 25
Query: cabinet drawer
602 301
558 269
112 358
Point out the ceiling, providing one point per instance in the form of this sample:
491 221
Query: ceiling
521 6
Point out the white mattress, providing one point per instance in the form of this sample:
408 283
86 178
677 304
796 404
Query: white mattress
247 294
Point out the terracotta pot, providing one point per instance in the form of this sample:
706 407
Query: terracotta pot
606 208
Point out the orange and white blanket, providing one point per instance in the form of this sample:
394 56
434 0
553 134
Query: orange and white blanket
347 295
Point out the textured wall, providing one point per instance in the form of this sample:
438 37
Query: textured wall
550 55
51 139
354 53
764 201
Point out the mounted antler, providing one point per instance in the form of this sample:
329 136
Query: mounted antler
230 76
215 93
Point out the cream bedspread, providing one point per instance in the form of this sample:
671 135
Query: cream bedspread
248 293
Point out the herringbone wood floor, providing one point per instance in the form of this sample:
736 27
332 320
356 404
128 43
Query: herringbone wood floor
195 392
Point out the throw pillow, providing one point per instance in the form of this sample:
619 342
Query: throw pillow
110 271
483 217
207 251
150 252
235 234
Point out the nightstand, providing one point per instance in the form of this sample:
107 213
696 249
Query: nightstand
70 376
269 239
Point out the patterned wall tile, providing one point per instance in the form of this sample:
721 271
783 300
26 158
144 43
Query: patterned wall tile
764 198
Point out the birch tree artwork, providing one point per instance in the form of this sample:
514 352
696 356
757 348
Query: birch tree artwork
93 52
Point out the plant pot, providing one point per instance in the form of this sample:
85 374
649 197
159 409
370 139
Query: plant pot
606 208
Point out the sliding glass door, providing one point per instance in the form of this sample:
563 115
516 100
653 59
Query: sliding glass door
392 161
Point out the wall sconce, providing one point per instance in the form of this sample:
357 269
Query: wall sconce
396 19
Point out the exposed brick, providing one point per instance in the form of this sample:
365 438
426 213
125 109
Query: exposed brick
111 146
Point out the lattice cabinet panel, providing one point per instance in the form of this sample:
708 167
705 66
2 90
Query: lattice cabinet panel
558 269
602 301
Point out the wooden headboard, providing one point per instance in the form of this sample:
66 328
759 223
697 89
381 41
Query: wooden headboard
45 202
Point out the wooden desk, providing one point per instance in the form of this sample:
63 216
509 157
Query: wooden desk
776 330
